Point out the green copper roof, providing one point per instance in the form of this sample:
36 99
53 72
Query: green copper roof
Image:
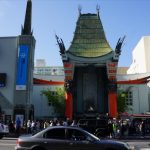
89 38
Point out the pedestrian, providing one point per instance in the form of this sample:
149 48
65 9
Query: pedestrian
110 129
29 127
11 127
18 126
46 124
33 127
74 123
143 128
38 126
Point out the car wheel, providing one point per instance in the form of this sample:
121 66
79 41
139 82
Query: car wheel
38 148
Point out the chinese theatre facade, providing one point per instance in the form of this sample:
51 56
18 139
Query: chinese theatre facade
90 67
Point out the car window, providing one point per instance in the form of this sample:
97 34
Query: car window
73 134
55 134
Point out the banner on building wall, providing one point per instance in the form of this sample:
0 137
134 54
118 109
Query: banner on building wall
19 118
69 70
112 70
22 67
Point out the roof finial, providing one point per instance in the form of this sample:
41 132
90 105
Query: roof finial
119 45
97 8
61 45
79 9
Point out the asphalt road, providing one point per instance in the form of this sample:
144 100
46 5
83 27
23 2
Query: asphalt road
7 143
141 144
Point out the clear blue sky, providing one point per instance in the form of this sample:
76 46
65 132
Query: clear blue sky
119 18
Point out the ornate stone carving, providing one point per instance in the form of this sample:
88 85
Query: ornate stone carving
68 85
112 86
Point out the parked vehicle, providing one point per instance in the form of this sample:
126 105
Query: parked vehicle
99 127
67 138
3 130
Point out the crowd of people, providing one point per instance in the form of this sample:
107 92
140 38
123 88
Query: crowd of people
115 128
122 128
34 126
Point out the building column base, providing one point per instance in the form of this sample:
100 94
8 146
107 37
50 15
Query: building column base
69 105
112 104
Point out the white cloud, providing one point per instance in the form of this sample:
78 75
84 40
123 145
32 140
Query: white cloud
4 6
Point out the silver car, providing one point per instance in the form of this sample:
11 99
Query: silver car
67 138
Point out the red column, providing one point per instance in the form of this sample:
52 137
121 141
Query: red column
112 104
69 105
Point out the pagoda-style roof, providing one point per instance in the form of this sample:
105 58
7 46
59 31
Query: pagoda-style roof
89 38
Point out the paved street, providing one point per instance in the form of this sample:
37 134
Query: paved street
141 144
7 143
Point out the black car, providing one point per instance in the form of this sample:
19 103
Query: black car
98 127
67 138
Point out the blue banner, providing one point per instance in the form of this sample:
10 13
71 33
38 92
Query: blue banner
22 67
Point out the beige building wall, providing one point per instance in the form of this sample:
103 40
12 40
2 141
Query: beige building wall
40 63
147 52
122 70
140 56
41 108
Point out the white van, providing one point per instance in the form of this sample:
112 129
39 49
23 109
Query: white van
3 130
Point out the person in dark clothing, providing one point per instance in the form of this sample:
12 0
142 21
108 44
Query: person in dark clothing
11 127
143 128
122 129
18 126
110 129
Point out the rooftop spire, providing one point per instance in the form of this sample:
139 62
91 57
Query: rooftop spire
97 8
79 9
26 29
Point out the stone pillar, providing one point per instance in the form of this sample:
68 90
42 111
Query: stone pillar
69 99
69 105
112 100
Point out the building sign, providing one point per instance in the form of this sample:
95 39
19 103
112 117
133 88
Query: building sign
22 67
2 79
112 70
68 70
